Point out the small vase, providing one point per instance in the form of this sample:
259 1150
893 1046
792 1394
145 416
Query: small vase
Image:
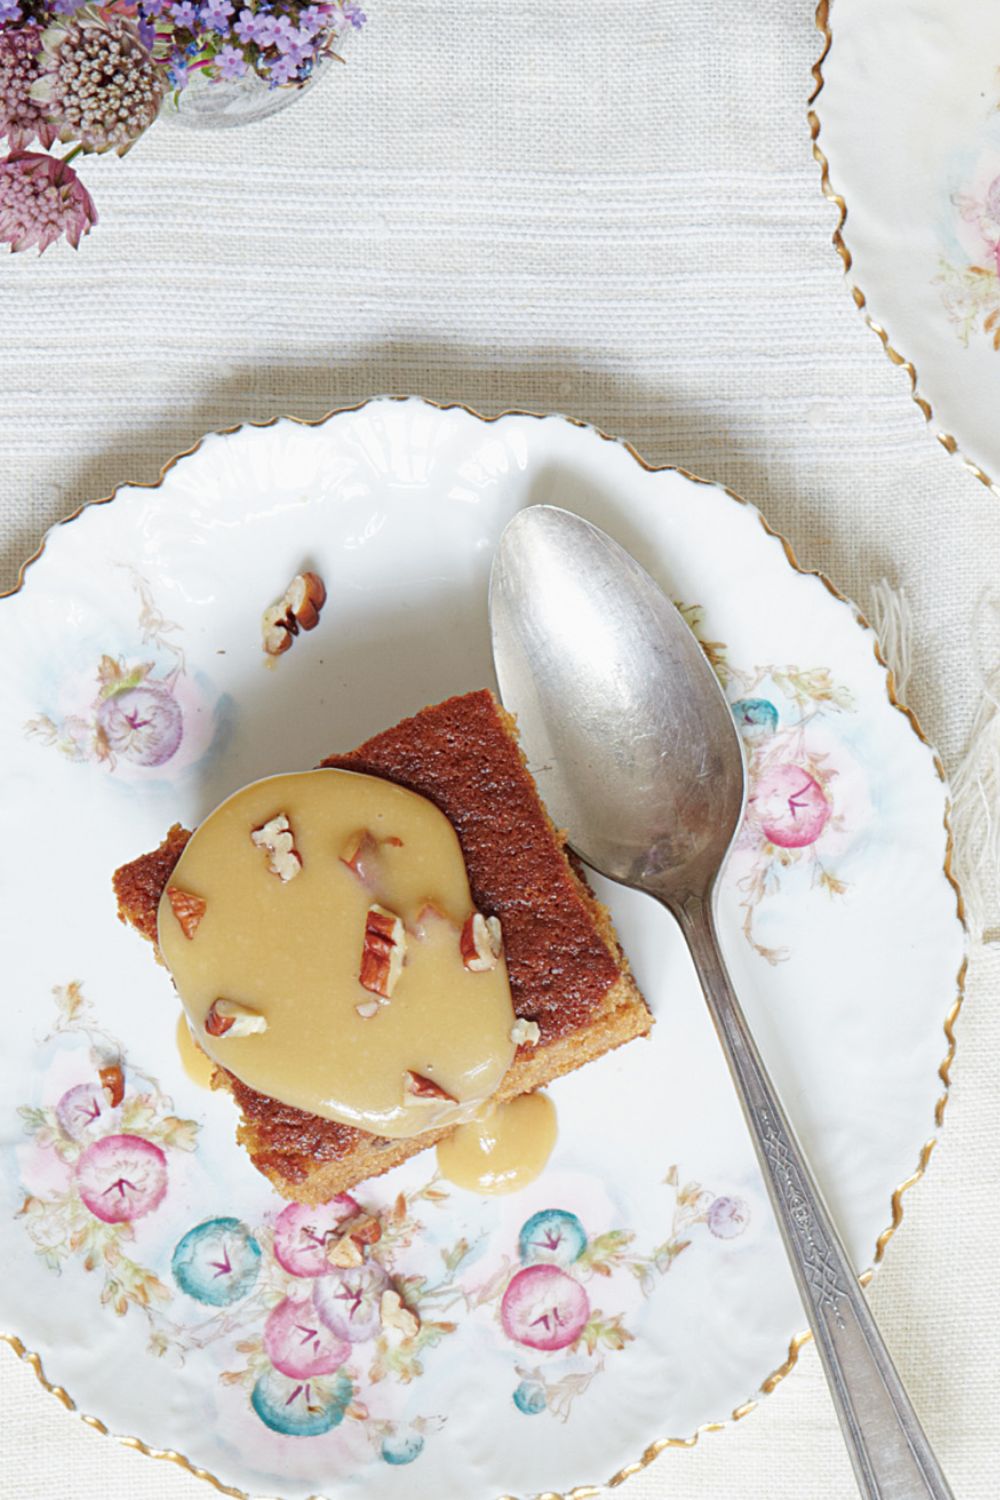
204 104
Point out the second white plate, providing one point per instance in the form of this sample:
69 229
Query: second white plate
907 122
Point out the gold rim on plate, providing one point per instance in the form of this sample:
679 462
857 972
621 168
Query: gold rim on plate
767 1385
947 441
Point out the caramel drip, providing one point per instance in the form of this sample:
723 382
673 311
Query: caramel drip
198 1066
504 1148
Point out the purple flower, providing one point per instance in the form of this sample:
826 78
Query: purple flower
282 70
216 14
152 8
186 15
298 47
67 7
230 62
313 18
263 33
353 13
147 33
246 27
177 71
9 11
283 33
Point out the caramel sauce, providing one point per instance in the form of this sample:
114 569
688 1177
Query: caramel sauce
503 1148
198 1066
277 953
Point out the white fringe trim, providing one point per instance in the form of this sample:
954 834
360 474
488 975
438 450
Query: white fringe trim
975 785
892 621
975 804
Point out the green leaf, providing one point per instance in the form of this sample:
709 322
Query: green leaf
453 1258
604 1333
33 1119
605 1251
182 1134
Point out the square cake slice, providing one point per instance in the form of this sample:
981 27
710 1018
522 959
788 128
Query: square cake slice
566 969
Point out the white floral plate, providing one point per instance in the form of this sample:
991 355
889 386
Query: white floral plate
906 125
163 1284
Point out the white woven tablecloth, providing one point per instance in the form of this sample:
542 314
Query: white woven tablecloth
606 210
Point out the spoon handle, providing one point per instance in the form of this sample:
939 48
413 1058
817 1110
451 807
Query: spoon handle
891 1455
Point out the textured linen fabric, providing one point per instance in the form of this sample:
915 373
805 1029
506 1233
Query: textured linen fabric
609 211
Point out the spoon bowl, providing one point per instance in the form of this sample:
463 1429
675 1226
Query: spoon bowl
633 744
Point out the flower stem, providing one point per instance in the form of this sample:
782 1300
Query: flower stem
70 154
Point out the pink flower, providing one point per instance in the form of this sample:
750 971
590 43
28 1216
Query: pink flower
789 805
41 198
121 1178
97 80
544 1308
20 117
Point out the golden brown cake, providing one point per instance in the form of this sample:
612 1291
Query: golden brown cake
567 972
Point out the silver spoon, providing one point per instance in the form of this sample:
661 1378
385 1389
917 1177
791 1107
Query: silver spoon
639 757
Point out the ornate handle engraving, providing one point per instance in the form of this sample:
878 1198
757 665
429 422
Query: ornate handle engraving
819 1258
891 1455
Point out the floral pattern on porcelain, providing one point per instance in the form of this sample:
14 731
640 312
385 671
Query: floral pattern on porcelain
547 1305
303 1338
798 818
969 268
143 714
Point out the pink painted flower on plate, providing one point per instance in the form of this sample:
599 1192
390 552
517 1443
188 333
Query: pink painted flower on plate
298 1342
349 1301
727 1217
143 724
544 1308
122 1177
21 120
789 805
302 1232
42 199
80 1108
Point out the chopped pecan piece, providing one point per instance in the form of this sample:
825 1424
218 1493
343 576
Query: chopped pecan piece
365 1229
360 853
481 942
383 952
229 1018
345 1253
420 1090
396 1315
187 908
276 838
112 1083
297 609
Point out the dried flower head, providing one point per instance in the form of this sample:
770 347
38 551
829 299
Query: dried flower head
97 80
41 199
21 119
